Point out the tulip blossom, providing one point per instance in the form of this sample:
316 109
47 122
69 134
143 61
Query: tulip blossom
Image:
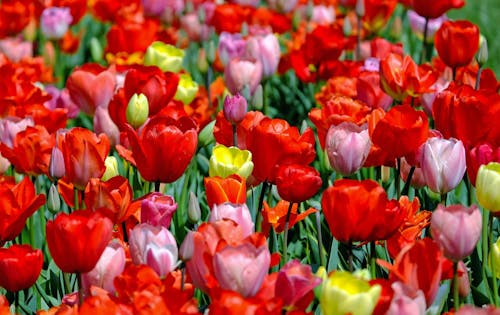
480 155
242 267
369 90
227 161
435 8
295 284
110 265
266 49
487 183
348 203
344 293
443 164
18 202
494 258
297 183
157 209
230 189
417 24
54 22
20 266
241 73
186 90
406 301
276 216
235 108
283 6
459 242
239 213
164 56
457 42
104 124
155 247
231 46
377 13
347 147
77 241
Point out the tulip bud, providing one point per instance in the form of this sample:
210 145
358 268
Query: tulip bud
187 247
482 54
194 212
494 259
487 184
258 98
202 62
56 164
347 146
235 108
443 164
54 22
211 52
227 161
238 213
104 124
360 8
164 56
267 50
457 242
186 90
96 50
137 110
53 199
157 209
347 27
206 136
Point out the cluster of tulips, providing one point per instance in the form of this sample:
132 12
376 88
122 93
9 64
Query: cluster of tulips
250 157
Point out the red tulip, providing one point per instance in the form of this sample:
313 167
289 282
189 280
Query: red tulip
163 141
348 203
273 142
20 266
84 154
401 77
435 8
77 241
297 183
223 129
480 155
457 42
377 13
17 204
112 197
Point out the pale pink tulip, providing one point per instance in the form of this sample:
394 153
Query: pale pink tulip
54 22
406 301
231 46
16 49
267 50
104 124
242 72
11 126
238 213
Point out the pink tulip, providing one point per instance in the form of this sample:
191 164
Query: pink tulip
154 7
11 126
104 124
187 247
406 301
91 87
238 213
267 50
16 49
347 146
231 46
56 165
110 265
322 14
61 99
153 246
417 24
157 209
294 282
242 268
54 22
443 163
242 72
456 229
235 108
195 30
283 6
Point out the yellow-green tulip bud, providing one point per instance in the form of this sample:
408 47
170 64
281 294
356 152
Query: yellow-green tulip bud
111 168
495 257
53 199
488 186
164 56
186 90
227 161
137 110
343 293
194 212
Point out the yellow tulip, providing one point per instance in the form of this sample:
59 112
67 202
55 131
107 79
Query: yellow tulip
344 293
227 161
488 186
495 257
186 90
111 168
164 56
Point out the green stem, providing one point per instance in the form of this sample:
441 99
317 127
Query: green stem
235 135
322 257
349 257
157 186
75 196
493 265
397 178
484 244
444 197
478 79
285 234
80 288
67 284
406 187
456 298
373 259
423 56
258 219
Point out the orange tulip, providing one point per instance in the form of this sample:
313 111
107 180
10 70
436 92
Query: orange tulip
276 216
17 204
84 153
230 189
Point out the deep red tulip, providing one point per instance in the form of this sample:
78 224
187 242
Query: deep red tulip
77 240
401 131
435 8
401 77
20 266
163 141
230 17
348 203
456 107
119 36
457 42
17 204
274 142
297 183
84 154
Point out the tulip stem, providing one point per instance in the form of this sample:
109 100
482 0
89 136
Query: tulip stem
424 48
478 79
75 196
258 219
157 186
349 257
484 243
322 257
373 258
80 288
456 298
235 135
67 284
285 234
493 265
406 187
358 37
396 178
444 197
124 229
454 73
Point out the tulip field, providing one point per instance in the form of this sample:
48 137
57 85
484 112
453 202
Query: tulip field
249 157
